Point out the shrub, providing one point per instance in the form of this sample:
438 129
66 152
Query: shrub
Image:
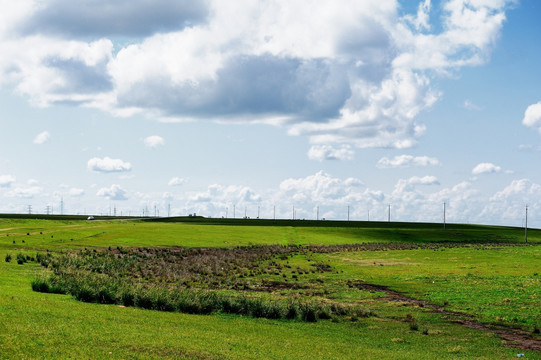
414 326
308 312
8 258
41 285
21 259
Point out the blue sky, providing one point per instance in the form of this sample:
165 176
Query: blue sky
210 106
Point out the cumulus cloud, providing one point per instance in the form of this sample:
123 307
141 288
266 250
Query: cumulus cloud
532 116
486 168
42 137
405 185
27 193
341 72
508 205
176 181
76 192
328 152
402 161
115 192
320 187
102 18
154 141
107 165
7 180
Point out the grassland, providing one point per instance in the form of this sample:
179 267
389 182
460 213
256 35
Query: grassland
479 274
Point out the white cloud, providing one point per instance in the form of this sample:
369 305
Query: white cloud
408 185
402 161
154 141
115 192
328 152
320 187
42 137
508 205
108 165
342 72
7 180
471 106
486 168
76 192
27 193
176 181
532 116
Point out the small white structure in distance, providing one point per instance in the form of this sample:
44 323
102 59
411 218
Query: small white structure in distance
90 218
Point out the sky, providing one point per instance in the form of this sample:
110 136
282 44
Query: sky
330 109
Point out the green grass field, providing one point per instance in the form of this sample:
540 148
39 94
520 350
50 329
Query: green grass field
495 285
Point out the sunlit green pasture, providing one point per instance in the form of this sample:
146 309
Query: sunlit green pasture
498 285
62 234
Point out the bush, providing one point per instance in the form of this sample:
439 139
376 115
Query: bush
8 258
21 259
308 312
47 284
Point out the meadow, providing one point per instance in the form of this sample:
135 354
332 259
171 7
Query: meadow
377 290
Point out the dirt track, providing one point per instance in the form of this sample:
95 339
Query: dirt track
515 337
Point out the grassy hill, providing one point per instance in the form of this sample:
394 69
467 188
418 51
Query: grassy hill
420 291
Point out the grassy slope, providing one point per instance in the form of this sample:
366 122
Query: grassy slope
43 326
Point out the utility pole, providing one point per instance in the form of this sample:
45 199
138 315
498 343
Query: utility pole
169 210
29 209
444 215
389 214
234 206
348 212
226 211
62 206
368 215
317 213
526 226
48 208
258 210
274 212
293 212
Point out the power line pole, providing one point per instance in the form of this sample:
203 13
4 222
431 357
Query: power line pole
526 226
29 209
62 205
444 215
317 213
234 206
348 212
368 215
389 214
274 212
